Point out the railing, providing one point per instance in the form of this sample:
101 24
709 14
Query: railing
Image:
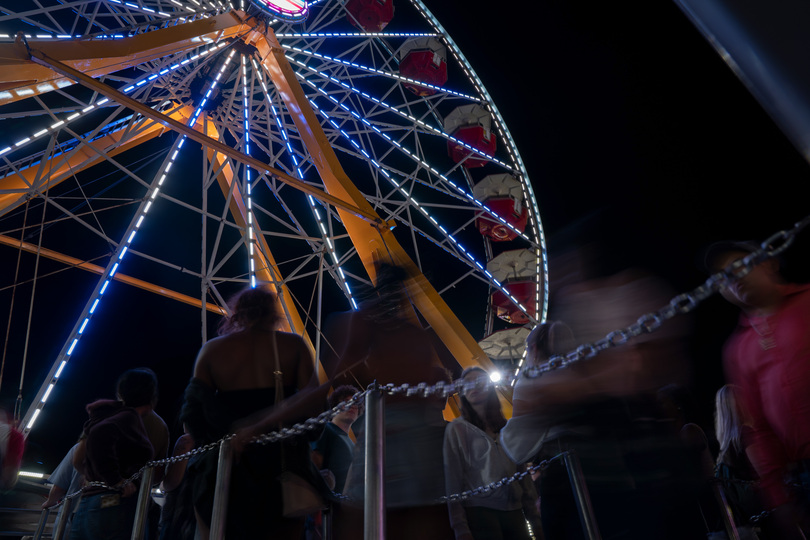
374 396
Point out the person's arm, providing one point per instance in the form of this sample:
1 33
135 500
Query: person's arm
762 447
454 453
55 495
60 478
176 471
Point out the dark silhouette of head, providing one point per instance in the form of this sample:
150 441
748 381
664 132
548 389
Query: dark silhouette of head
138 387
249 308
341 393
548 339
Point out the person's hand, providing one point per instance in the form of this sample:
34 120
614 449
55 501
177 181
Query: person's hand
127 488
50 501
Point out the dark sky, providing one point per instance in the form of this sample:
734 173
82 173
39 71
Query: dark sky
636 136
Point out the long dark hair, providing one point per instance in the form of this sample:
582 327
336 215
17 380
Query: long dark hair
248 307
493 415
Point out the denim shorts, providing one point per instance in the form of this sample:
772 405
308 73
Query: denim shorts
104 516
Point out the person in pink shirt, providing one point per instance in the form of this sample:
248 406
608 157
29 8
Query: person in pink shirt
768 357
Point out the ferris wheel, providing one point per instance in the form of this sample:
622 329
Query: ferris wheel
190 147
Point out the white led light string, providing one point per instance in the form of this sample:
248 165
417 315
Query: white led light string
251 242
490 278
103 101
386 74
534 213
539 260
312 203
120 252
466 195
362 35
405 115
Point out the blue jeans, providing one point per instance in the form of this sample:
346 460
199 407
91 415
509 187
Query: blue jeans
104 516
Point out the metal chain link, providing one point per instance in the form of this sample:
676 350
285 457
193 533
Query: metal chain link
681 304
647 323
483 490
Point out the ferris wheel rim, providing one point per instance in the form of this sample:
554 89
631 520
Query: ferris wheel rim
499 121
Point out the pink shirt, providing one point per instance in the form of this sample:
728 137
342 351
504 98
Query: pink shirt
769 358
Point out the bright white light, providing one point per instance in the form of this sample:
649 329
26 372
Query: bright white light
33 419
29 474
495 376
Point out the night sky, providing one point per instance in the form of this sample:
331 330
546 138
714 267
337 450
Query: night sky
637 137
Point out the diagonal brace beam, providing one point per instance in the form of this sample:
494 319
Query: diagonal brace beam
208 142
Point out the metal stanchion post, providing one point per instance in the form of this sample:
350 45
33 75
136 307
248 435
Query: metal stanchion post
725 510
580 489
326 523
374 503
61 520
221 490
142 510
43 521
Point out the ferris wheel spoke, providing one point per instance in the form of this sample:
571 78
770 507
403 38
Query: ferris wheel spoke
392 109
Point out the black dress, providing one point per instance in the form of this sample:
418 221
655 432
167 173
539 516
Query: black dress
255 497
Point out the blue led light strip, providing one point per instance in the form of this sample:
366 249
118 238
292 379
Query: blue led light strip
386 74
534 214
405 115
112 267
465 194
362 35
490 278
103 101
251 233
312 203
136 6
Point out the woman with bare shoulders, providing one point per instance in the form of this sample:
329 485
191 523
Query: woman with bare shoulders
235 376
384 342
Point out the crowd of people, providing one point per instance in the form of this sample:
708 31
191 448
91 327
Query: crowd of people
647 469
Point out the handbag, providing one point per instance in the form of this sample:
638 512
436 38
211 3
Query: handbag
299 497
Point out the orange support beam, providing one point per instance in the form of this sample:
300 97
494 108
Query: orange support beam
20 78
123 278
372 242
191 133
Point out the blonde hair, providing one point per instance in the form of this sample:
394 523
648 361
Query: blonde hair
728 421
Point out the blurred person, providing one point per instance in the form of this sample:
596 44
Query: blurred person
385 343
473 457
607 410
113 447
732 467
332 452
141 385
65 480
334 448
12 447
768 358
236 374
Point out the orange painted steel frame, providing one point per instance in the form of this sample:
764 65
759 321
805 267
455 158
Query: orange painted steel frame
371 237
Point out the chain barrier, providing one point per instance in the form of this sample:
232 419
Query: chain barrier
681 304
647 323
518 476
